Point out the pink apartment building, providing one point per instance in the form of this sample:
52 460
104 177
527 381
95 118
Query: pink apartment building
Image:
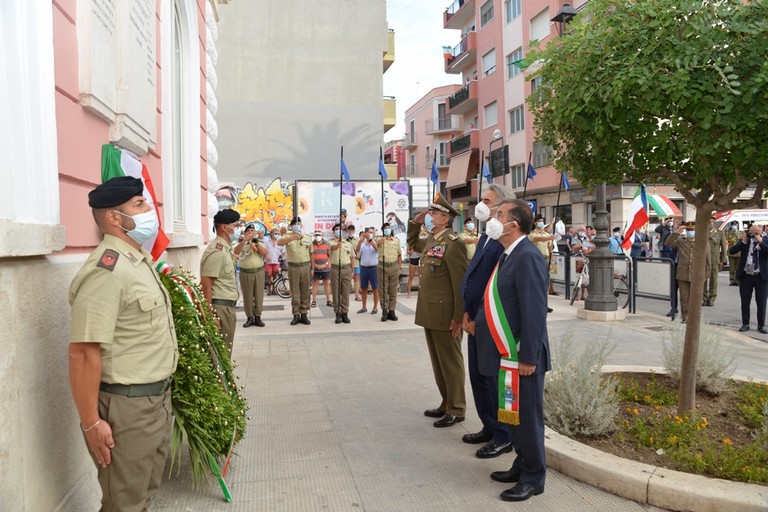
79 74
494 123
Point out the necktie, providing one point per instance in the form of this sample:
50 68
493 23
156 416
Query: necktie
754 255
501 260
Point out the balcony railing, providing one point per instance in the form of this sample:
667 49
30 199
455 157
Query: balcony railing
443 160
410 140
464 143
463 99
459 14
461 55
410 170
442 124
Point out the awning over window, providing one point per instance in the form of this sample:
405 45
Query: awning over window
662 206
457 171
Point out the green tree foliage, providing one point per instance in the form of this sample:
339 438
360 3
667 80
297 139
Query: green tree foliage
661 91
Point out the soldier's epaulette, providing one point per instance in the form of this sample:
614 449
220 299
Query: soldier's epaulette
453 236
108 259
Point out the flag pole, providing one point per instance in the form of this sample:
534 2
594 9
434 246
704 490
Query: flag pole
341 207
434 185
559 189
525 186
480 177
381 158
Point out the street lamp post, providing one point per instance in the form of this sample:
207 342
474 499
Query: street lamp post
601 297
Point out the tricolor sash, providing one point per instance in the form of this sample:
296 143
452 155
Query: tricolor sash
509 374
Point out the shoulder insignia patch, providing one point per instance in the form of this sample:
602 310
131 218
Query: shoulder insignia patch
131 257
108 259
453 237
219 246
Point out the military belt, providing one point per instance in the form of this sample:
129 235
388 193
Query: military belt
251 270
302 264
137 390
346 265
224 302
368 266
388 264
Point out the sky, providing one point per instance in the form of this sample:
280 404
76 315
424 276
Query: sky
418 66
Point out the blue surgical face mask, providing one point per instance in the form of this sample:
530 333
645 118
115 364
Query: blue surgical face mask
540 225
691 233
429 223
296 229
146 226
470 226
387 231
337 233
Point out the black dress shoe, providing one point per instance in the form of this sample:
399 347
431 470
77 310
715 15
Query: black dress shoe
338 318
248 322
384 316
762 330
304 319
392 315
506 477
493 449
672 312
521 492
744 328
434 413
257 321
448 420
549 310
476 437
295 320
345 318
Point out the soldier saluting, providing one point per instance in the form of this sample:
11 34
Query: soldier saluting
440 306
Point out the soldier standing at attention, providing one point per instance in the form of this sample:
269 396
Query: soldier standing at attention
682 241
390 260
440 307
217 273
123 350
251 252
732 237
298 248
718 255
342 268
469 237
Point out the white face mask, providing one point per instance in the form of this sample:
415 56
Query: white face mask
147 226
494 228
318 238
482 212
582 234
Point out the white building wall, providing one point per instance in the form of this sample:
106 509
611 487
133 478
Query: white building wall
297 79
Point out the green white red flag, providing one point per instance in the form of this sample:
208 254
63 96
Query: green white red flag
507 345
116 162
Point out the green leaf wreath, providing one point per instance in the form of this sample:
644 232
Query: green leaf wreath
209 412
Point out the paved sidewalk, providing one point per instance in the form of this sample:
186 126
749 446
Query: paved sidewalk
337 420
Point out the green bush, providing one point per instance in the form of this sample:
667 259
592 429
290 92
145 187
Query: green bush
578 400
715 363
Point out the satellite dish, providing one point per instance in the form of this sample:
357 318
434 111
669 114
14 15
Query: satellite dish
496 133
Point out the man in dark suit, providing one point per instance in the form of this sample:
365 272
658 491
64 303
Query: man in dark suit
522 295
752 274
484 388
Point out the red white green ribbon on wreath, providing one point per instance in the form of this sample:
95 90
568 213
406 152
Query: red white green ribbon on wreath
507 345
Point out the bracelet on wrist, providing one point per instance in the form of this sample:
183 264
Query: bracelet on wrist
89 428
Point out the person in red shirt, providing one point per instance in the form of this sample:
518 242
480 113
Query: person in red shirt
321 266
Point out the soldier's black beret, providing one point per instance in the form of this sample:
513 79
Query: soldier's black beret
295 221
115 192
226 216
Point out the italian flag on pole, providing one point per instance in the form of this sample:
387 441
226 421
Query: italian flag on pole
116 162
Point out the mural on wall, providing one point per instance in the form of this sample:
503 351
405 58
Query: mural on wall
270 206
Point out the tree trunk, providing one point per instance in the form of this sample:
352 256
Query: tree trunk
687 395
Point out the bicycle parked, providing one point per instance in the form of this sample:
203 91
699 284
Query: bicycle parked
620 284
279 284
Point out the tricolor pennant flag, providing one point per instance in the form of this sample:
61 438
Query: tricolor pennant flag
636 219
117 162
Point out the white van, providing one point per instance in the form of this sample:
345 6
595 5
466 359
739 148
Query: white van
745 218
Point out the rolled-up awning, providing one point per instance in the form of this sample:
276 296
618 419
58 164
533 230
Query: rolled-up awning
457 171
663 207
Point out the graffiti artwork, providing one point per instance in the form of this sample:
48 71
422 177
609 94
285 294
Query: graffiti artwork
270 206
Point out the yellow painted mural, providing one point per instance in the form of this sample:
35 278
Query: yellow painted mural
271 206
